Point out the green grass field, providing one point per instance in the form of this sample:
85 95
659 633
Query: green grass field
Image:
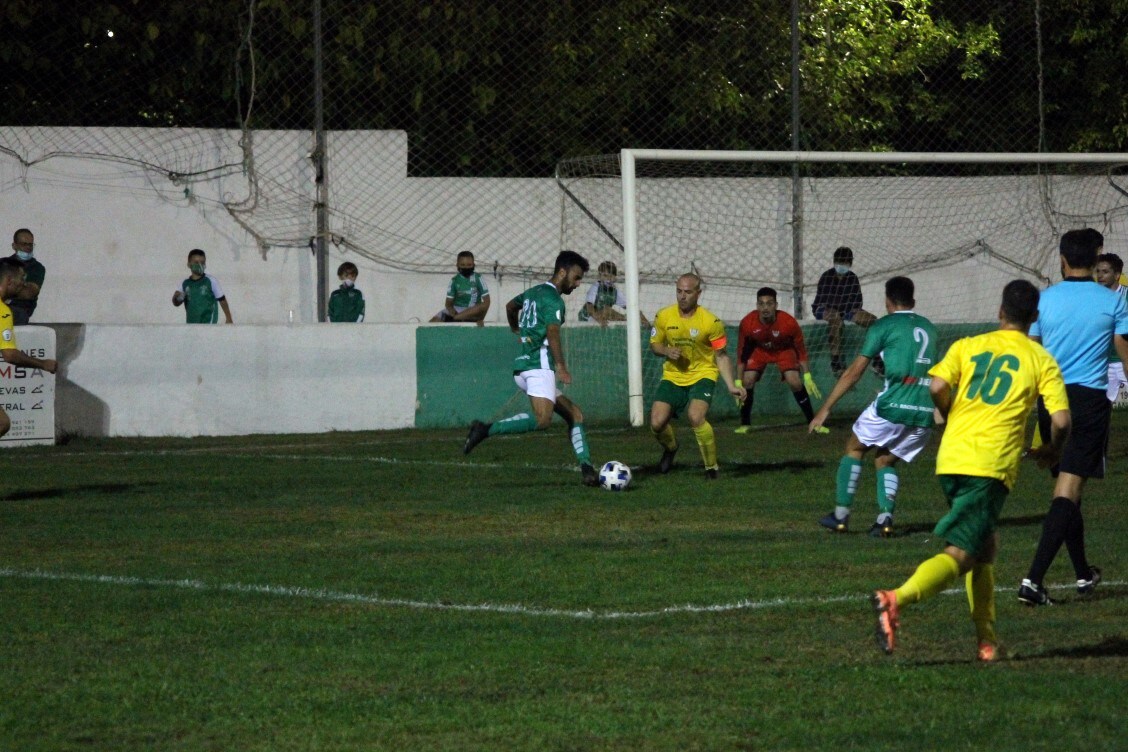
381 591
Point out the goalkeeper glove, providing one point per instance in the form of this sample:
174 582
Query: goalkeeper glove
812 387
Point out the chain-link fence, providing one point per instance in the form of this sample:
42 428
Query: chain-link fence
485 89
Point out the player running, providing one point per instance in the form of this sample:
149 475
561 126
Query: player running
986 386
771 336
692 341
535 317
898 422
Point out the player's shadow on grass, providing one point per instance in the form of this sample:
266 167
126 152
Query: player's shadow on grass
736 469
928 527
1110 647
54 493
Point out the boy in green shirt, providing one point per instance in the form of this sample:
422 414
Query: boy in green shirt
346 304
200 294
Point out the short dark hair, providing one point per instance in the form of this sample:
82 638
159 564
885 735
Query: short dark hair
465 254
197 252
844 254
347 267
1079 247
19 232
1112 260
9 266
766 292
900 290
1020 302
568 259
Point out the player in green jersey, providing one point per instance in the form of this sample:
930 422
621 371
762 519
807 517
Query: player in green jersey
535 317
200 294
346 304
898 422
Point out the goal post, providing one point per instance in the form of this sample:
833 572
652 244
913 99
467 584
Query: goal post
958 223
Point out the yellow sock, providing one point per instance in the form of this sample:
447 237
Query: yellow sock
667 438
981 600
931 578
706 441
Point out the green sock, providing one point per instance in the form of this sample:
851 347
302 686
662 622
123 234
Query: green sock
519 423
580 444
887 483
847 480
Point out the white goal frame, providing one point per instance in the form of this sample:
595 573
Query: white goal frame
629 158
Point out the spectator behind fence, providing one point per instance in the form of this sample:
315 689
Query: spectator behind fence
200 294
467 297
25 298
838 298
346 304
603 296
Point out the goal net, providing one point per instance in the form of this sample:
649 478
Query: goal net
959 225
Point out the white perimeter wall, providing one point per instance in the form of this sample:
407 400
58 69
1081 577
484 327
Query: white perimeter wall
178 380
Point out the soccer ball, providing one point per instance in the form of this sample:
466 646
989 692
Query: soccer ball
614 476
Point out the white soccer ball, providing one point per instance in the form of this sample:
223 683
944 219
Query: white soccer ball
614 476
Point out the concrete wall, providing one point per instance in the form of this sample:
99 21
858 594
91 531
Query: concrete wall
177 380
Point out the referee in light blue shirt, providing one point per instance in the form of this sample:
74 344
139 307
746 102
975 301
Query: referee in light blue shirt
1077 321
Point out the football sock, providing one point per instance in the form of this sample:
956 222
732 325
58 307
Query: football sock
707 443
667 438
931 578
746 410
887 484
580 444
981 601
519 423
1075 544
846 485
1054 528
804 401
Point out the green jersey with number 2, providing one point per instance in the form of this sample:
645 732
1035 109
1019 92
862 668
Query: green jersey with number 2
541 307
907 342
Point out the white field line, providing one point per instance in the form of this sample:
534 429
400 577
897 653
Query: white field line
334 596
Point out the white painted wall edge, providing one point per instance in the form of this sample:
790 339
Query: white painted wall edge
180 380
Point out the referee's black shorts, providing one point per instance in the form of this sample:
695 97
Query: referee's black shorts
1091 415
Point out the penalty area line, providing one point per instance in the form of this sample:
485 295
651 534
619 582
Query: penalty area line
336 596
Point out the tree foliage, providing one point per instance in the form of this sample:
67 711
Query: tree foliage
501 87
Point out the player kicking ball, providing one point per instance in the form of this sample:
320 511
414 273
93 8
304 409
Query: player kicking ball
535 317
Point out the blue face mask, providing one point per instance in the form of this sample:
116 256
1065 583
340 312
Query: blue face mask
23 255
840 269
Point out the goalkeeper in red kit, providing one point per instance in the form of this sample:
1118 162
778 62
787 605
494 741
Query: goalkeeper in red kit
770 336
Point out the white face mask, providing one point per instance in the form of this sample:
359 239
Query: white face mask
23 255
841 269
347 282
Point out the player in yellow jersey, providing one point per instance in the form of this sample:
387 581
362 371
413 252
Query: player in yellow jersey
692 341
986 386
11 279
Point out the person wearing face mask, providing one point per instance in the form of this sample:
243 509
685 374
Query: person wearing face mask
467 297
603 296
346 304
200 294
838 299
26 297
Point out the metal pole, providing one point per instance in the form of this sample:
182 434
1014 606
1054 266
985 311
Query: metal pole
796 181
320 251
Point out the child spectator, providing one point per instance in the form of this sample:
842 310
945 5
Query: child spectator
201 294
346 304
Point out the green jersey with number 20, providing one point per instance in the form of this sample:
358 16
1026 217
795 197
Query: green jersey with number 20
907 342
541 306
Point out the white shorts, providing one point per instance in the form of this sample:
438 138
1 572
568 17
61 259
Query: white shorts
903 442
538 382
1115 381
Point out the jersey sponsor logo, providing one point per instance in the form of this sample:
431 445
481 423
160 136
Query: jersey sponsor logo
693 333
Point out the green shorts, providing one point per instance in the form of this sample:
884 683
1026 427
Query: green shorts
678 397
976 504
